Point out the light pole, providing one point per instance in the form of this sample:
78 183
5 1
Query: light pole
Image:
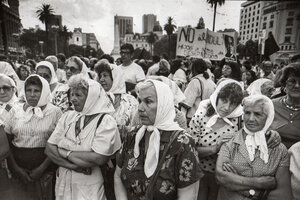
55 29
41 43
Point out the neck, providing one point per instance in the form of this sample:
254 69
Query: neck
295 102
126 63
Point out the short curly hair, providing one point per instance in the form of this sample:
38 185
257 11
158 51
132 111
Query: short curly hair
293 68
103 66
79 81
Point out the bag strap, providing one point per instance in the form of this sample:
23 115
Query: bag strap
201 85
100 119
149 191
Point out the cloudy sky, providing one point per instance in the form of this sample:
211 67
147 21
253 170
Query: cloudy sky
97 16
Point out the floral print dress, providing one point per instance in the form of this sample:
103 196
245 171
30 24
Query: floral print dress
180 168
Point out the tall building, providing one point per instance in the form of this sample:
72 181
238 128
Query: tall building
13 26
125 25
250 18
148 22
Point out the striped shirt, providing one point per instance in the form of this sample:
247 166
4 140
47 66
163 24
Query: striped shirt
35 132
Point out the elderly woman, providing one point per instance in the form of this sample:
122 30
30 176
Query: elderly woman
199 88
157 160
112 80
261 86
29 127
74 65
83 140
287 108
247 168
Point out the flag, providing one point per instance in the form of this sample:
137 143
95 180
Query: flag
270 46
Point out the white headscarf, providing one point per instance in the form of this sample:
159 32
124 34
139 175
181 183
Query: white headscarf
255 87
238 111
164 120
44 99
7 69
14 98
48 65
118 85
257 140
177 93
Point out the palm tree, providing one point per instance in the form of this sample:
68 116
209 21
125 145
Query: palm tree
169 27
44 14
151 40
3 28
214 4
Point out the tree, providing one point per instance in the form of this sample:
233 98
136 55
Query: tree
65 34
44 14
251 50
3 28
214 4
151 40
161 46
201 24
169 27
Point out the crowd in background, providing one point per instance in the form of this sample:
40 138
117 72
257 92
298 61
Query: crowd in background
187 128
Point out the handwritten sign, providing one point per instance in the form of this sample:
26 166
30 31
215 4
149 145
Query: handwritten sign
200 43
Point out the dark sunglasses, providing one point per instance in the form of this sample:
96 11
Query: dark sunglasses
71 68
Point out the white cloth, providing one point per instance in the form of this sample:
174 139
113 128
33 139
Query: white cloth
255 87
238 111
153 69
48 65
257 140
7 69
118 85
164 120
133 73
44 99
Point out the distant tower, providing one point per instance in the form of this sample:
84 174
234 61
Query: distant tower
116 50
148 22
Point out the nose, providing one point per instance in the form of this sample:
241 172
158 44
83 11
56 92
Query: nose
226 106
141 108
251 117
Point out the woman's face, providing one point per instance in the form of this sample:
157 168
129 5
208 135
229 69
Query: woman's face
248 76
78 98
225 107
226 70
254 117
71 69
267 89
293 86
105 80
45 73
147 105
24 73
6 90
33 94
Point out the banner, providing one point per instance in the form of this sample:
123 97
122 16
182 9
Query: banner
203 43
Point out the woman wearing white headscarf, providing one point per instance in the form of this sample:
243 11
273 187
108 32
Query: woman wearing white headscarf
261 86
247 168
28 128
157 158
83 140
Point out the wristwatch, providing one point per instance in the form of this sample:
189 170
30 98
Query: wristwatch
251 193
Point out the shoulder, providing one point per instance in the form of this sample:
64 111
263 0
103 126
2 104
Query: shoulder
129 98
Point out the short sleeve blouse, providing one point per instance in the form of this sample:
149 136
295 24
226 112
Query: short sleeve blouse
180 169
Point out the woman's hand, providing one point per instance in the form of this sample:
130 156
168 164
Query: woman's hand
36 173
273 139
229 168
23 174
267 182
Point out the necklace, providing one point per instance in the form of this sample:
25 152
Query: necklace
293 108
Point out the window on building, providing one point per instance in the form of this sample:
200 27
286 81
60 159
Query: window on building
248 25
290 47
250 9
257 18
287 39
281 47
244 27
255 36
289 21
253 13
258 12
271 24
253 19
245 22
256 23
243 37
265 18
286 47
291 13
248 32
248 20
252 31
249 15
264 25
254 7
272 16
246 10
77 39
258 5
288 31
252 25
256 30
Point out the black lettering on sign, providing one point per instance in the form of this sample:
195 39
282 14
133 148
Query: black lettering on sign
188 35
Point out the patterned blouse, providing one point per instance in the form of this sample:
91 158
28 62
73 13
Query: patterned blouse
180 169
205 136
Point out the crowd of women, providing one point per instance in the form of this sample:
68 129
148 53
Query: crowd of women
79 129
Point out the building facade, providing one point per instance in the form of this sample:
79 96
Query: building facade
13 26
125 25
84 39
148 22
137 40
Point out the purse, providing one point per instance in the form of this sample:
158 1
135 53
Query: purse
149 191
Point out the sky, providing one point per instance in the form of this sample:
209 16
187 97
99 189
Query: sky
97 16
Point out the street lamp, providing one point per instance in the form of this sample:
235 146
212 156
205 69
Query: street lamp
41 43
55 29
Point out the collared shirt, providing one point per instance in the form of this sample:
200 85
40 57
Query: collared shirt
236 152
180 169
36 131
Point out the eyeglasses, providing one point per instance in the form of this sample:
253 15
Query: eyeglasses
125 52
71 68
292 82
6 88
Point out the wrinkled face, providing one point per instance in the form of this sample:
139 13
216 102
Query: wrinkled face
226 70
125 55
254 117
147 105
293 86
267 89
78 98
105 80
33 94
6 90
71 69
44 72
225 107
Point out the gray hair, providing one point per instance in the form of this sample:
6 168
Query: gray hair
77 60
143 85
52 60
79 81
253 100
